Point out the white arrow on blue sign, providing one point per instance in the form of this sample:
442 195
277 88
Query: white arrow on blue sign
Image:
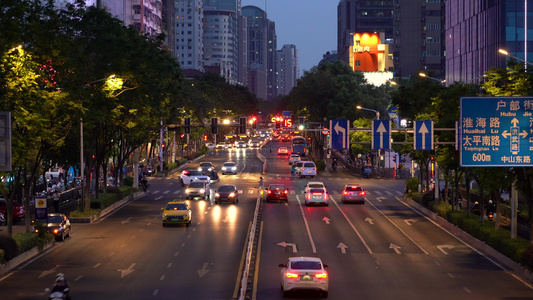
423 135
339 134
381 130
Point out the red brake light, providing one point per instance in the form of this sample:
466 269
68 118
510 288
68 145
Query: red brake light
269 192
292 275
345 193
185 172
362 193
325 196
286 192
321 275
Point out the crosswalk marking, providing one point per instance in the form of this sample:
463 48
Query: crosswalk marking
388 193
166 192
379 193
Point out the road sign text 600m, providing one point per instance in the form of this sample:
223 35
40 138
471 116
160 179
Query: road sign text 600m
480 157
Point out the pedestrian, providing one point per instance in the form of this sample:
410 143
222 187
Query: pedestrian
293 170
56 200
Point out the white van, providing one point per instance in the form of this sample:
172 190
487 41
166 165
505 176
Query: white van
308 168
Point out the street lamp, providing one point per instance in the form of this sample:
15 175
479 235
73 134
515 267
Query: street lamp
421 74
502 51
375 111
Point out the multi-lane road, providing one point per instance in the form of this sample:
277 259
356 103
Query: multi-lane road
380 250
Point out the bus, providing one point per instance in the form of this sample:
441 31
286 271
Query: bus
298 145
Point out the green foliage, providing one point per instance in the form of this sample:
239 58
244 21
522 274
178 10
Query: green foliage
128 181
84 214
442 209
320 165
412 184
27 241
9 246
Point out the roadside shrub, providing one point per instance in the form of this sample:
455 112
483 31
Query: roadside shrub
320 165
412 184
442 209
527 258
26 241
85 214
9 245
427 197
416 196
128 181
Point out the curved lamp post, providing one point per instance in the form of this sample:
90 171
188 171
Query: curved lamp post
421 74
375 111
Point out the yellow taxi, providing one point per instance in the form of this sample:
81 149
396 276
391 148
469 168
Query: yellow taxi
177 212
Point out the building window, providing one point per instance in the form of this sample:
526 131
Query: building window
357 63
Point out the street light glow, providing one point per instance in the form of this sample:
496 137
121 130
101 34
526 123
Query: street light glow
373 110
503 52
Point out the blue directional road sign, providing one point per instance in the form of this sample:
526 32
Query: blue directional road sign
339 134
423 135
496 131
381 131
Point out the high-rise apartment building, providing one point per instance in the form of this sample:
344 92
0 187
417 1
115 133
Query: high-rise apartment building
221 38
477 29
188 34
358 16
287 69
146 16
261 51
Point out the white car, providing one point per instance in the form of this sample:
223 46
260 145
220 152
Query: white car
314 185
294 158
241 144
304 273
221 145
229 167
197 188
210 146
308 168
190 175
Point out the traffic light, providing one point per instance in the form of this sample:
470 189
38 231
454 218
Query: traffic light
182 136
214 125
163 147
205 137
187 125
394 158
301 120
242 125
254 122
278 122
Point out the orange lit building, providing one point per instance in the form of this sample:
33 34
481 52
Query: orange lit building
368 55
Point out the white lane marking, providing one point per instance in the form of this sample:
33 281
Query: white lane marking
176 192
155 292
162 277
353 227
96 266
451 275
404 233
169 265
379 193
389 193
78 278
467 290
293 192
306 225
166 192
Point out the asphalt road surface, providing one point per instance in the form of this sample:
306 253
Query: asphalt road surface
382 249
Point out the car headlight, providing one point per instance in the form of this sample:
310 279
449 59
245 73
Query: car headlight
202 191
217 195
210 169
223 168
232 195
199 169
234 168
187 191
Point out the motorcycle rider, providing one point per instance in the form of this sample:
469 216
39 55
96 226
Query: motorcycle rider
476 209
334 164
490 210
61 286
144 183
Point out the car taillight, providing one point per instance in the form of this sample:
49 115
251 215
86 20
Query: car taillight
286 192
185 172
345 193
362 193
325 196
269 192
56 231
291 275
321 275
308 196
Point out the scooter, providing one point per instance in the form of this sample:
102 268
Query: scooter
58 295
145 185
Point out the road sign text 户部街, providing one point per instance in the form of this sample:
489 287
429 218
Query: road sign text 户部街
496 131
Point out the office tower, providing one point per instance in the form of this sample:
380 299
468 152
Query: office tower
287 69
188 34
477 29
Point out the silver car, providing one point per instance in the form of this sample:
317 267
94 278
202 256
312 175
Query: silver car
197 188
353 193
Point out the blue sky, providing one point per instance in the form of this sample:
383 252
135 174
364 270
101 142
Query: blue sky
311 25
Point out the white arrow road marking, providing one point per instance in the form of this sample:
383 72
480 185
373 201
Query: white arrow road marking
158 198
381 130
284 245
442 247
369 220
338 128
226 220
126 221
47 272
203 271
125 272
343 247
409 221
240 191
396 248
423 130
326 219
380 199
250 191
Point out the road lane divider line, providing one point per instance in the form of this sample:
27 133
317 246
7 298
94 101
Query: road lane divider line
353 227
401 230
306 225
256 275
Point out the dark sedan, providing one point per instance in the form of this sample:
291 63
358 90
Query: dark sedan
277 192
58 225
227 193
